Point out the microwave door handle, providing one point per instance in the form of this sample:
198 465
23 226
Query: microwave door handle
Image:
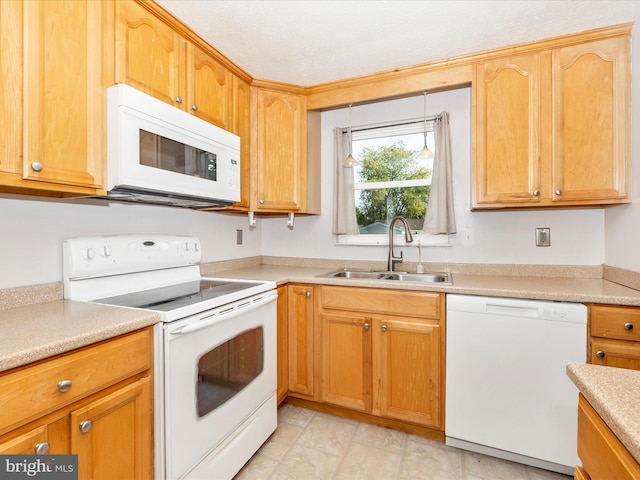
202 324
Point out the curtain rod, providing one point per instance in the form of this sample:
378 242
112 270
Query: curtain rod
387 125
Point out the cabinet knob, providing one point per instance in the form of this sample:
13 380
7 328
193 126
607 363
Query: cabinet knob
384 328
194 107
536 193
36 166
628 326
64 386
261 201
366 326
41 448
178 99
558 192
85 426
307 294
600 354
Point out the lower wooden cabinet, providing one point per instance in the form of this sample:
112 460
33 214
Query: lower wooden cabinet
614 336
603 456
383 352
96 402
302 351
283 345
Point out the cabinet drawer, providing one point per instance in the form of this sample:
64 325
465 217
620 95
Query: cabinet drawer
615 322
603 455
32 391
389 302
615 353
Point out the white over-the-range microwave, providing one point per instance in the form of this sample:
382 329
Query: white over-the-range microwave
159 154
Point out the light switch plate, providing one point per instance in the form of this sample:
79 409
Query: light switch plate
543 237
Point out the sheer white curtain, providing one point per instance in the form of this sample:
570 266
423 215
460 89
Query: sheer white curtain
344 205
440 218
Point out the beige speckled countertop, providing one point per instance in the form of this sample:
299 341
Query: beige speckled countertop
615 394
587 290
33 332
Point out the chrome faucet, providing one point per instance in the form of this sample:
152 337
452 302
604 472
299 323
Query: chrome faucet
407 236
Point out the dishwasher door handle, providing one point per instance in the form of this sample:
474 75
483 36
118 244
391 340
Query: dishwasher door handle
518 311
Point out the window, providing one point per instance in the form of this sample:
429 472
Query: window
389 180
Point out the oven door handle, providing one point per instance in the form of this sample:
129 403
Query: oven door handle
226 315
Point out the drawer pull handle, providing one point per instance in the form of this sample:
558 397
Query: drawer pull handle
41 448
64 386
86 426
36 166
600 354
628 326
384 328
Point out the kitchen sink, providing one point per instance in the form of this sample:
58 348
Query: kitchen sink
440 278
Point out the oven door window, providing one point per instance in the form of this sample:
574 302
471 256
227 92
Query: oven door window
228 368
166 154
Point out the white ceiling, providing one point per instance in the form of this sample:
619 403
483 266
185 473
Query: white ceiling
310 42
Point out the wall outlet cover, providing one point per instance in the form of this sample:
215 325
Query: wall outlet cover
543 237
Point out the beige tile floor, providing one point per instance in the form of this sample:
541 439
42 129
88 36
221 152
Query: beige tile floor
310 445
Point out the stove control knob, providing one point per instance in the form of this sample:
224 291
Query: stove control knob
88 254
106 251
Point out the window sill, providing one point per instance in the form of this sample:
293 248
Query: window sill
398 240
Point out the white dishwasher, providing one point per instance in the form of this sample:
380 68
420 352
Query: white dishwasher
507 393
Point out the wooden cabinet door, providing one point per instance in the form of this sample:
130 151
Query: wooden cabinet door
300 311
410 370
118 441
64 95
149 54
591 102
27 443
11 68
507 167
346 360
208 87
281 131
282 348
241 126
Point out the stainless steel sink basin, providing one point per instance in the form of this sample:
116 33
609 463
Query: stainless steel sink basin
440 278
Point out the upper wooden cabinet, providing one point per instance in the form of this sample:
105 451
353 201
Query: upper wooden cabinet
53 110
551 128
279 151
155 58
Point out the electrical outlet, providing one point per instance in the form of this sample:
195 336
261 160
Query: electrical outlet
238 237
543 237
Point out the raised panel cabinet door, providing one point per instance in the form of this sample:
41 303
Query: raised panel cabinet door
149 54
282 348
591 114
410 371
346 360
507 167
241 126
281 151
300 313
64 93
113 436
11 66
209 87
29 443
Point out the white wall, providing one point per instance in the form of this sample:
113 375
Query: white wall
577 236
32 231
622 224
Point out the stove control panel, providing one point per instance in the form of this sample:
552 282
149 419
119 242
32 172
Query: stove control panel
100 256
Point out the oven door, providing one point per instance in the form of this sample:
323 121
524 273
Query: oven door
220 369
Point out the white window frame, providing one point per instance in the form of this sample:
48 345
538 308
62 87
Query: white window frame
406 127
